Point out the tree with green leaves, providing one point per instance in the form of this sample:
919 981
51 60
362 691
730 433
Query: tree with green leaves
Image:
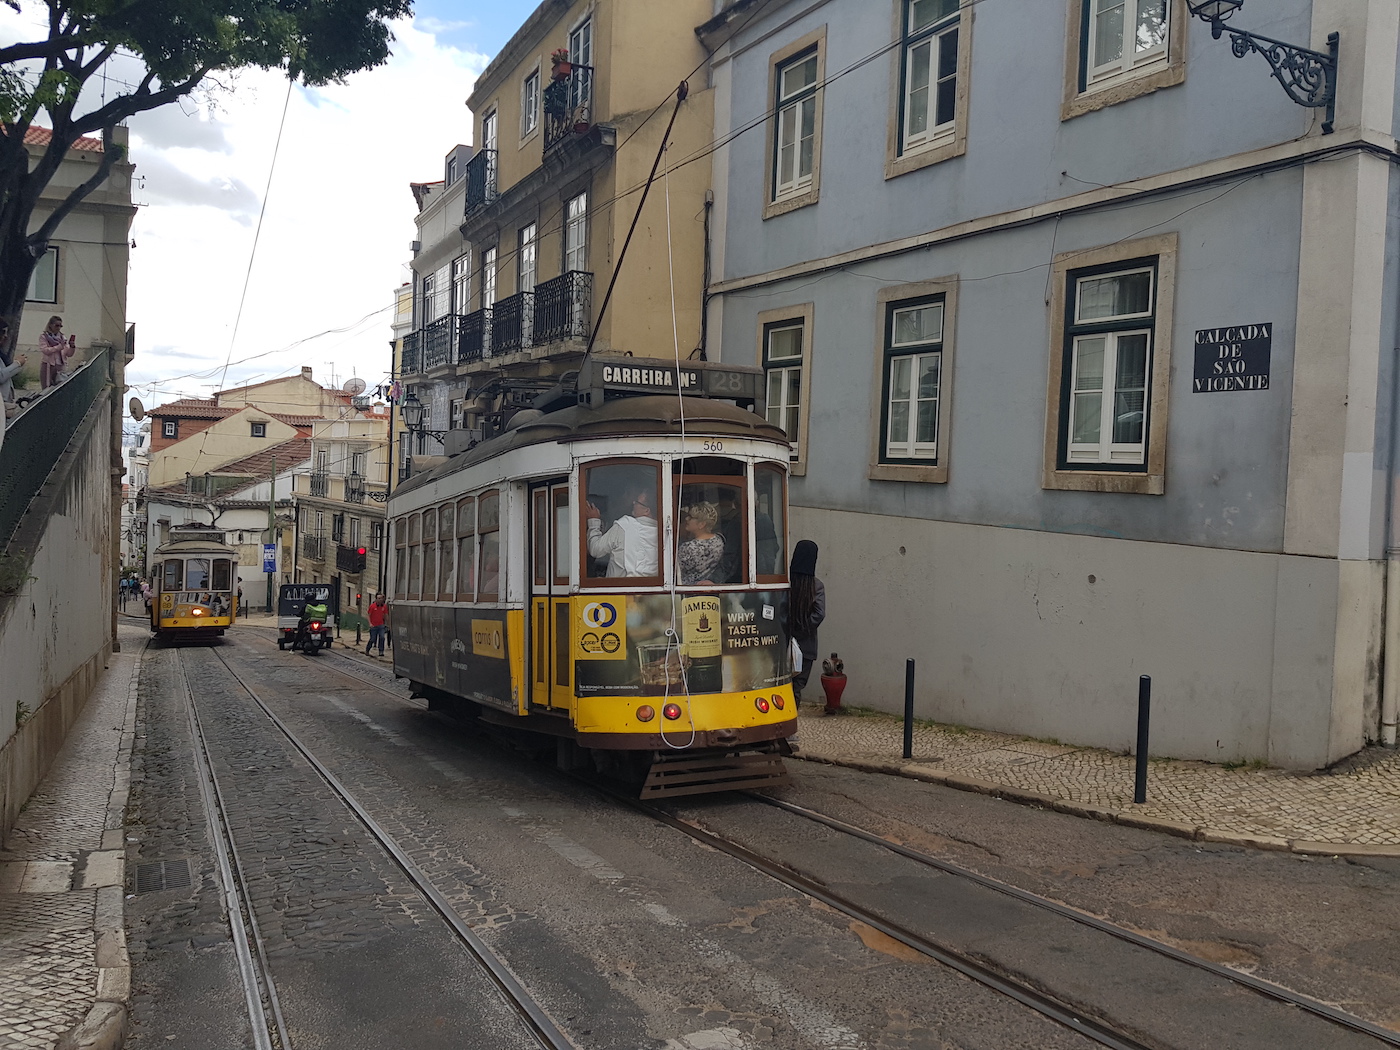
176 45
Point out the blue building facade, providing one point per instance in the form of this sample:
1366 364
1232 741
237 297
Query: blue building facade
1085 336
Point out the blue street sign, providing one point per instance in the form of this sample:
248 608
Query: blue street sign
269 557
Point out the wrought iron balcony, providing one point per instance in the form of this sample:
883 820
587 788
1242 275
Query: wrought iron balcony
568 106
409 361
314 547
320 484
563 308
481 180
474 336
354 488
439 339
512 320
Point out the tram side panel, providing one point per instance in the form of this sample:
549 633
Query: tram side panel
468 652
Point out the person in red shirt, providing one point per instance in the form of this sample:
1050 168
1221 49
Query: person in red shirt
378 613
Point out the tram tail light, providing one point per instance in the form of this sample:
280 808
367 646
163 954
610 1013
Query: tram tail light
779 702
646 713
762 704
671 711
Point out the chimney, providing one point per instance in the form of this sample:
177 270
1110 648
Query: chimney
306 371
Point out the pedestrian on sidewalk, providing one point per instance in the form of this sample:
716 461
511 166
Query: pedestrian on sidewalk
56 350
123 589
378 612
806 610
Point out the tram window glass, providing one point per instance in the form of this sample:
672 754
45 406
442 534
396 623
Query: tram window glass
429 555
466 548
619 520
222 574
174 573
540 529
196 574
415 555
488 527
562 532
400 557
711 522
446 548
770 524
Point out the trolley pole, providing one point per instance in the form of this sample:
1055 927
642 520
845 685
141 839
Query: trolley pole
1144 717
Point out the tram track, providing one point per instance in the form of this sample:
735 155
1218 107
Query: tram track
1035 996
270 1030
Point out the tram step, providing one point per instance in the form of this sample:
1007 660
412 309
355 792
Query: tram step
689 774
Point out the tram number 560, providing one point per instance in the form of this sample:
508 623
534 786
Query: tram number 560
713 446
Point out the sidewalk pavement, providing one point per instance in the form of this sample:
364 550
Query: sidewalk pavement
64 973
1351 809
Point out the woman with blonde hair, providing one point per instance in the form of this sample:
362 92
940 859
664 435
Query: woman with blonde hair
698 557
55 349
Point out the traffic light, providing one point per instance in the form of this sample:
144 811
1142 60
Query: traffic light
359 559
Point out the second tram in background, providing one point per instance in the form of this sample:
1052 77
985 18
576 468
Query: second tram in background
523 584
194 585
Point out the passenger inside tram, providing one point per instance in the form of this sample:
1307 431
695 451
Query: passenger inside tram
620 516
700 553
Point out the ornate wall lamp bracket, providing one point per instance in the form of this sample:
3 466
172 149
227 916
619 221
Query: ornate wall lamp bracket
1308 77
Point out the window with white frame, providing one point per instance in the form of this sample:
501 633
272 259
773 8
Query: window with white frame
912 380
259 430
581 54
782 367
488 131
929 72
488 278
357 463
451 170
530 103
576 233
796 131
1122 37
43 280
1108 360
354 533
462 284
525 258
170 428
321 458
427 313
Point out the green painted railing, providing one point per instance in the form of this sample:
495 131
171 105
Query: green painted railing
37 437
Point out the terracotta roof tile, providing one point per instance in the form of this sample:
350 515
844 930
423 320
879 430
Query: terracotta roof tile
288 453
43 136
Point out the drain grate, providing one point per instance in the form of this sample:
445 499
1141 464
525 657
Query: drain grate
162 875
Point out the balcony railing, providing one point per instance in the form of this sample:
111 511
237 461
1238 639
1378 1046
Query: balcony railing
320 484
410 359
563 307
438 342
568 106
314 547
481 180
474 336
354 488
512 320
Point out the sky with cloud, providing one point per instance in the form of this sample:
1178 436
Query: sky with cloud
336 216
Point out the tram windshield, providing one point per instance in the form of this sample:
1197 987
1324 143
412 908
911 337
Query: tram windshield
619 520
711 515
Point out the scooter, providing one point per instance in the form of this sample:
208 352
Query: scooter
312 638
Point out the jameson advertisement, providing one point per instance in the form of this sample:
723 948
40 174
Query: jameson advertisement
642 645
462 651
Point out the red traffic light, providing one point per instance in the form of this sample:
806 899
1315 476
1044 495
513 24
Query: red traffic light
360 551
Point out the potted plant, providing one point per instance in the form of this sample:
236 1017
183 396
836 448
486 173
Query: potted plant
559 60
833 683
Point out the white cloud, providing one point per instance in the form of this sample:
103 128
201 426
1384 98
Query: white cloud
338 219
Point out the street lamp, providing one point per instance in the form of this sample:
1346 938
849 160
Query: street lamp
1308 77
413 412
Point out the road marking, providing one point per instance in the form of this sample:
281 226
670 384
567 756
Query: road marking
710 1039
446 769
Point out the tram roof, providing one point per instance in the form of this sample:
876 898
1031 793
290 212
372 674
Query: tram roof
195 547
619 417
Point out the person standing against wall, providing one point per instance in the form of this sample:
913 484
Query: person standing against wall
806 610
56 350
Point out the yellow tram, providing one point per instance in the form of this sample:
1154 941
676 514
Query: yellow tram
611 570
194 588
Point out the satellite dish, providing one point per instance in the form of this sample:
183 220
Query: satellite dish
354 386
133 406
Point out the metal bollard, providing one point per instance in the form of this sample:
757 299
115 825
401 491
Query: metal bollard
1144 712
908 708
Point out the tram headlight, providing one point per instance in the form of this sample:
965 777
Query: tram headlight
196 612
671 711
646 713
762 704
778 701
